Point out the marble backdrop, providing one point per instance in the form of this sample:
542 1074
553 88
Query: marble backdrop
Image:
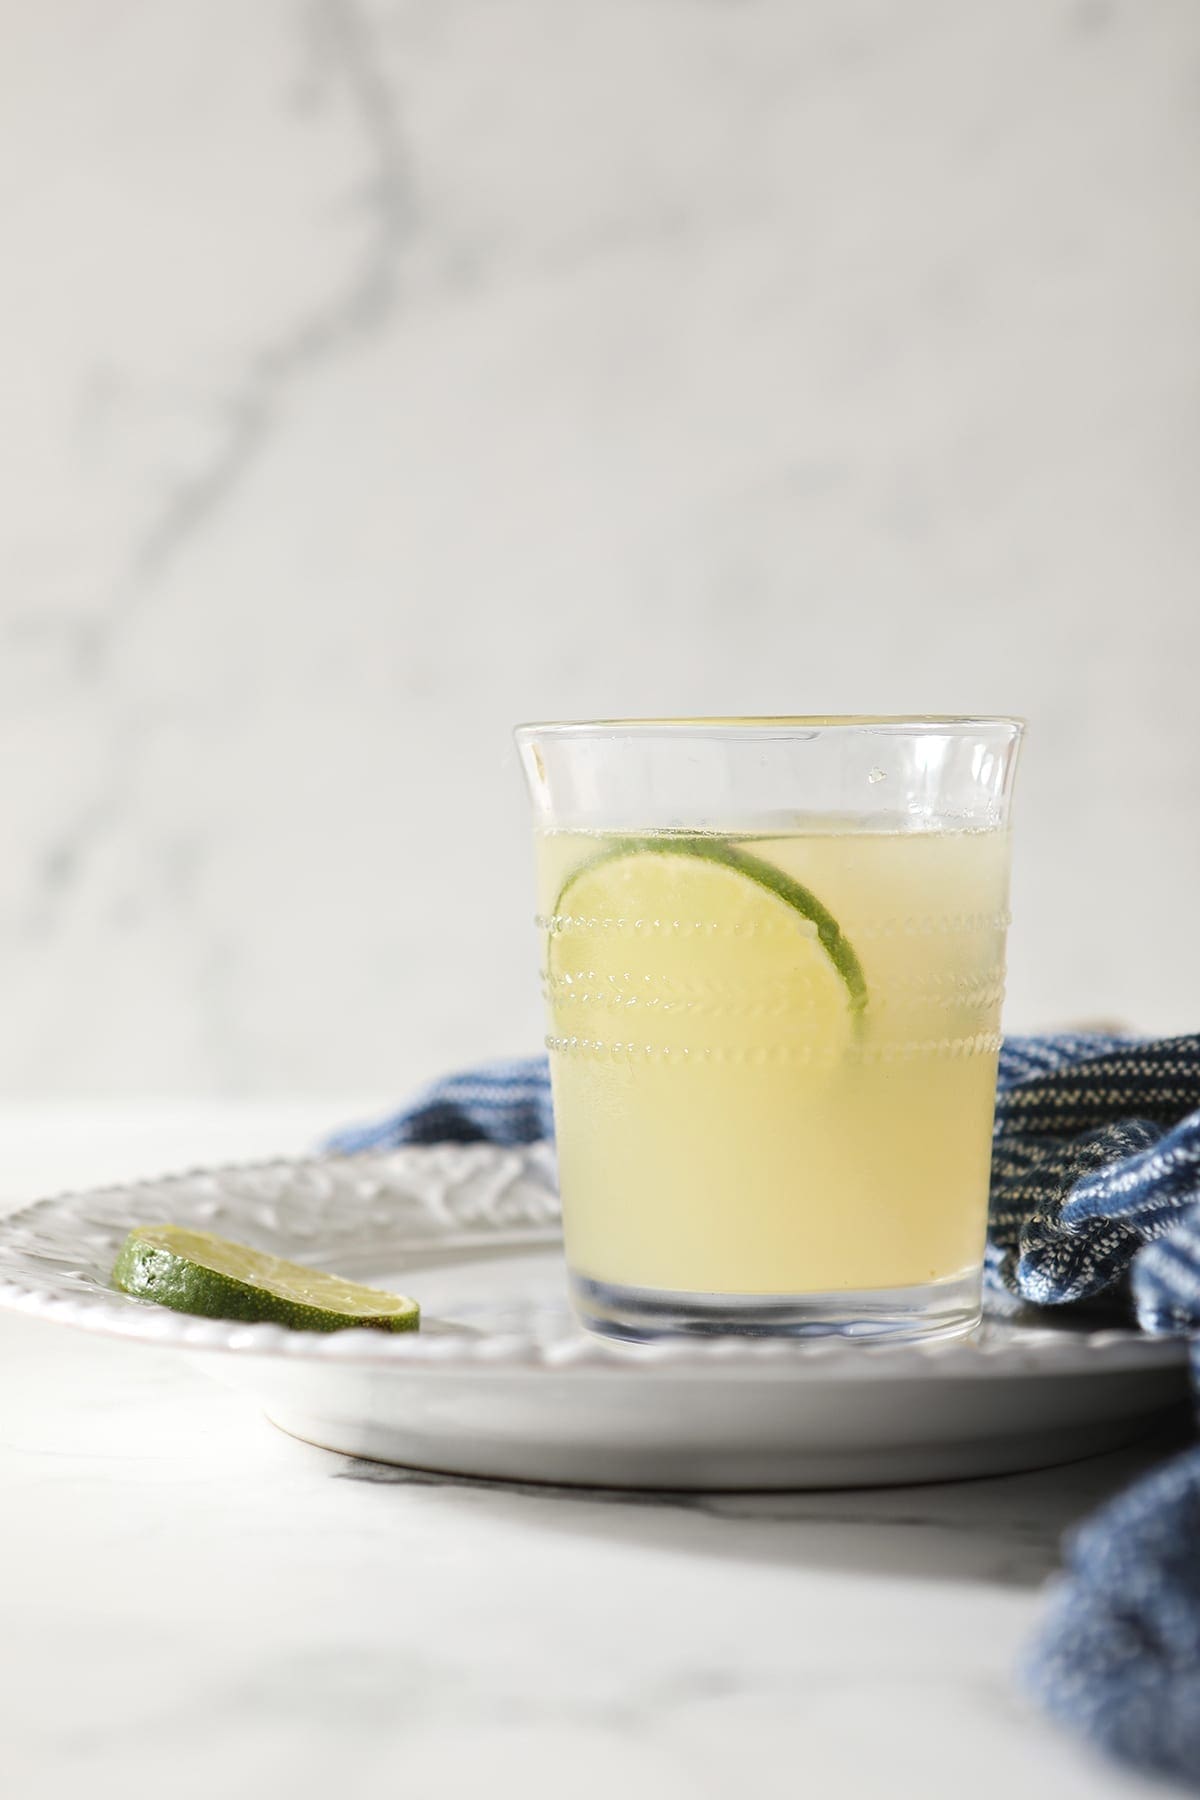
375 373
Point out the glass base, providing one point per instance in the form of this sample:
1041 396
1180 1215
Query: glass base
638 1315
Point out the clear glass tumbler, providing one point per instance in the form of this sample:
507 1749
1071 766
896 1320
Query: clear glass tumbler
773 962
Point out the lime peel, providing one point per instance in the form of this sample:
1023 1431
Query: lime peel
198 1272
793 893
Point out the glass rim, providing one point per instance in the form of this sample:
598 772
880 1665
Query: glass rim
782 725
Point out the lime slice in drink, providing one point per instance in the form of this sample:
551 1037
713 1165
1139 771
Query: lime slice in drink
682 937
196 1272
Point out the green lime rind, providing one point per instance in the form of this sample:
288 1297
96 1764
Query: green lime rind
197 1272
833 939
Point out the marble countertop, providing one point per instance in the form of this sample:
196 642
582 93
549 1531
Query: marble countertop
194 1602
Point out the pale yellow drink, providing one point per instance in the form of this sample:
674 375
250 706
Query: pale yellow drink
752 1099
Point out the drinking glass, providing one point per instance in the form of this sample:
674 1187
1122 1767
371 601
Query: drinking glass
772 951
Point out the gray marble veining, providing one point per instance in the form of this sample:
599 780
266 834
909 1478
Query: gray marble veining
377 373
1005 1531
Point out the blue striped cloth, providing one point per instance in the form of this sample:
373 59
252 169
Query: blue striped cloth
1095 1200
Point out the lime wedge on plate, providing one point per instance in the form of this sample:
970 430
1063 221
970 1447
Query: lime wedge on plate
196 1272
698 926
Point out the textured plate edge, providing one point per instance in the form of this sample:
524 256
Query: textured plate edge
1042 1349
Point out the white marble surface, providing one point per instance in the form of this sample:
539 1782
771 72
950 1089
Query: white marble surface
378 372
194 1603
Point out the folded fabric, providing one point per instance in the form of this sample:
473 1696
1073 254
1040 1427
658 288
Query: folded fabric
1096 1152
1095 1200
501 1103
1117 1653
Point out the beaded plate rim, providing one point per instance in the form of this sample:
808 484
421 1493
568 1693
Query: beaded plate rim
56 1253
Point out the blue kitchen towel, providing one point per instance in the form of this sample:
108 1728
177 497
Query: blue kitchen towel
502 1103
1117 1653
1095 1199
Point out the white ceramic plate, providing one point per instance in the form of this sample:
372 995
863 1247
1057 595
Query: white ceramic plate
501 1382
